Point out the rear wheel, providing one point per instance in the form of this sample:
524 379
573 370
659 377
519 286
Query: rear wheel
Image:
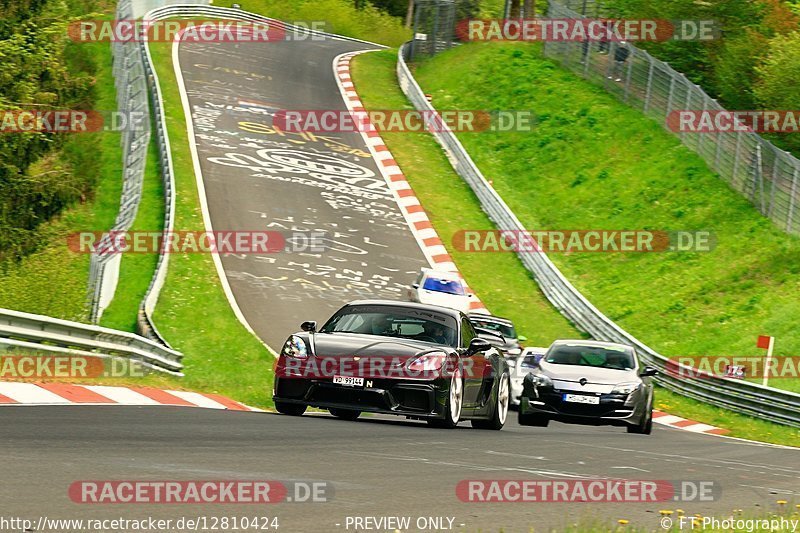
292 409
645 427
500 411
452 409
345 414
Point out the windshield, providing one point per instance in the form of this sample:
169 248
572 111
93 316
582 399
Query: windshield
387 321
504 329
532 361
449 286
593 356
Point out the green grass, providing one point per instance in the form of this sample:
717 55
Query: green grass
500 279
136 269
338 16
593 163
220 355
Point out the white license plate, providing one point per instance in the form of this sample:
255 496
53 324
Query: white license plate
348 381
580 398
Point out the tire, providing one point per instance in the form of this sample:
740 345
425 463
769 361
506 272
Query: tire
645 427
501 405
291 409
345 414
452 408
533 420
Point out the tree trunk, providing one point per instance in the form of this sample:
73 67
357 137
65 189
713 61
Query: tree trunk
513 12
528 9
410 13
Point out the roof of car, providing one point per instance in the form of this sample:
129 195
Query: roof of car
414 305
599 344
490 318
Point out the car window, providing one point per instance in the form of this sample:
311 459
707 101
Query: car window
467 332
592 356
448 286
505 330
389 321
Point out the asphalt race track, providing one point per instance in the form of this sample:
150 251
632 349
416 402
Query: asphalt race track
378 466
259 177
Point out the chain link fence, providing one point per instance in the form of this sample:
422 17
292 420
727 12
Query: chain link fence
434 27
751 165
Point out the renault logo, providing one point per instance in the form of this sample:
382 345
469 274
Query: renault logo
356 358
583 381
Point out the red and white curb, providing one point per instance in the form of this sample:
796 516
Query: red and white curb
429 241
677 422
17 393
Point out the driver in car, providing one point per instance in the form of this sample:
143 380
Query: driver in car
435 332
380 325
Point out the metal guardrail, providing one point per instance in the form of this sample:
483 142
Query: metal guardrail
131 100
741 396
29 332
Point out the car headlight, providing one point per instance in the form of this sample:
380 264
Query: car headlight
431 361
540 380
295 347
626 388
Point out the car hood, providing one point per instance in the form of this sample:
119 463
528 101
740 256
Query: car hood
354 344
602 380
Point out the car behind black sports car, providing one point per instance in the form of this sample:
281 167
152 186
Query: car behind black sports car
420 361
589 382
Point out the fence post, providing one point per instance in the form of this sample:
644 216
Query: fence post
628 74
792 196
736 157
774 180
649 83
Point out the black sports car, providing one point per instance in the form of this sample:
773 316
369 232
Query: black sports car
589 382
403 358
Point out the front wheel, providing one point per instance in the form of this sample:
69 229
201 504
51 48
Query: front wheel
645 427
291 409
500 411
533 420
452 408
345 414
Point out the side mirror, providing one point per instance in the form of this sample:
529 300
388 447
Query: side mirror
309 326
415 285
477 345
522 338
648 371
470 295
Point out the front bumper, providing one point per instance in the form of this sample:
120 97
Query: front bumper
612 409
414 399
